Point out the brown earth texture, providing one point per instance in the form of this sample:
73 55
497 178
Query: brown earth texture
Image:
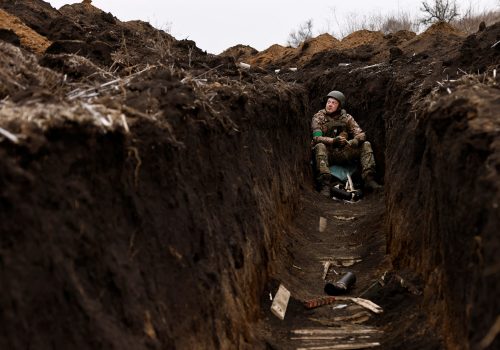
155 196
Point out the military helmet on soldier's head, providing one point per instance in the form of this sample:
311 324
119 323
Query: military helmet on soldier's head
338 96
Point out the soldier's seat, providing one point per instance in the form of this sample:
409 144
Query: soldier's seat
340 171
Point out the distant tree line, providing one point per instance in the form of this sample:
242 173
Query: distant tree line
433 11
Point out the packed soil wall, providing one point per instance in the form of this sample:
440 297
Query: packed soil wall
442 195
162 237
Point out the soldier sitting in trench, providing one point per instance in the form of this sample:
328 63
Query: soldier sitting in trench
338 139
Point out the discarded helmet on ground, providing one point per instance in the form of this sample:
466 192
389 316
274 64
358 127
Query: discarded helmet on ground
338 96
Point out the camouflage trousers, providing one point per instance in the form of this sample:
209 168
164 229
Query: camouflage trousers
325 156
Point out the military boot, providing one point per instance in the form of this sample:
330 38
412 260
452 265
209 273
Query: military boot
368 167
370 183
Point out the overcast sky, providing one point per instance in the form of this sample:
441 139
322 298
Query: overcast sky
216 25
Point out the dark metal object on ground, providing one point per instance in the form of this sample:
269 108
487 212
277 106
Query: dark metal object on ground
343 194
342 285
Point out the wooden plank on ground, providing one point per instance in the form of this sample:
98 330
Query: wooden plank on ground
343 346
343 330
280 302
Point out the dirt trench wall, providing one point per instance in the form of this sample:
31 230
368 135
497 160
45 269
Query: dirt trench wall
161 238
442 194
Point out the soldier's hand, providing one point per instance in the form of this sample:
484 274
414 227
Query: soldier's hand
334 141
353 143
340 141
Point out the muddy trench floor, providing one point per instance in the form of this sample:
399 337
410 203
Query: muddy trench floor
352 240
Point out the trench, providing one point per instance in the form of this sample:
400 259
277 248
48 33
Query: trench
137 239
173 232
432 158
355 240
134 239
146 243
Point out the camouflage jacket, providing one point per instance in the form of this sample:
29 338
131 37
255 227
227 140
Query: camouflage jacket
325 127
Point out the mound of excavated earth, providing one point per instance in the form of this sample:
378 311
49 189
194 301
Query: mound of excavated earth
154 195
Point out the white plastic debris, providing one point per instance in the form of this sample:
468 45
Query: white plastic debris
124 122
244 65
7 134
